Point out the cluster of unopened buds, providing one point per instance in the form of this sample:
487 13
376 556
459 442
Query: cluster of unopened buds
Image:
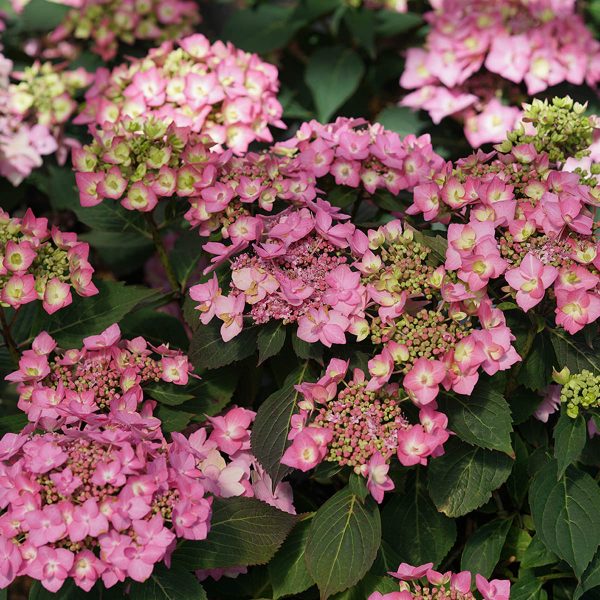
41 263
23 144
112 25
46 95
424 583
102 380
216 89
540 43
361 426
528 223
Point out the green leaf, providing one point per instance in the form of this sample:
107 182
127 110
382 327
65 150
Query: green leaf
343 540
358 486
333 75
168 584
482 419
84 317
287 570
590 578
518 482
570 436
111 216
269 437
209 351
13 423
536 371
464 478
304 350
537 555
414 527
173 419
483 548
400 119
361 25
213 393
573 352
566 513
393 23
263 29
527 587
40 15
185 256
155 326
168 393
271 338
243 532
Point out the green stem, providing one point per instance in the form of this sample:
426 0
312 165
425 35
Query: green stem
163 255
8 338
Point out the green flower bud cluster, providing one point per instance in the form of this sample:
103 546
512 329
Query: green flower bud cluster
562 129
47 93
580 392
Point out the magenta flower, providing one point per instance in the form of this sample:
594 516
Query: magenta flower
531 279
423 379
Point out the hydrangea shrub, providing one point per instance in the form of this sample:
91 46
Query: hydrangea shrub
272 327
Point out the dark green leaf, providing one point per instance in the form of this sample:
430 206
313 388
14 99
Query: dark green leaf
393 23
400 119
12 423
168 584
566 513
361 25
288 571
263 29
155 326
40 15
333 75
465 476
414 527
185 256
343 540
213 392
527 587
209 351
168 393
86 316
243 532
483 548
482 419
358 486
570 436
590 578
518 482
269 436
173 419
573 352
270 340
537 555
536 371
306 350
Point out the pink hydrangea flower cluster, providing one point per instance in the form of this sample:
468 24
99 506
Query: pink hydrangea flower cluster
107 25
478 51
526 222
41 263
101 381
45 96
95 503
139 162
295 272
22 145
433 329
361 426
216 89
424 583
350 151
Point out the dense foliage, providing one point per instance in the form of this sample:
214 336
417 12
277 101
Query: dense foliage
300 299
